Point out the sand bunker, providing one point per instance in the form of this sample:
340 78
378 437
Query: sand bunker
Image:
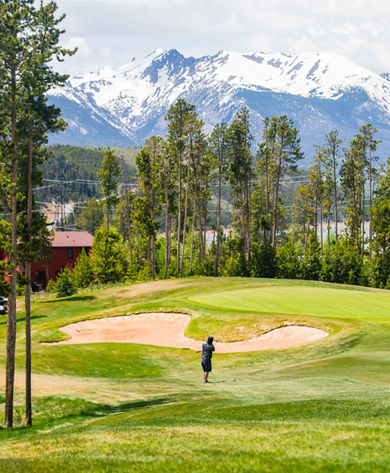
167 330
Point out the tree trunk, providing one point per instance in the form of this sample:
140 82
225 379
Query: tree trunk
363 217
28 282
199 219
336 217
129 228
243 234
316 219
167 236
218 216
153 242
185 222
321 231
265 236
107 219
370 202
248 219
192 238
274 226
11 315
179 219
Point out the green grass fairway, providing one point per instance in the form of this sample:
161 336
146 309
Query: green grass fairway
303 300
322 407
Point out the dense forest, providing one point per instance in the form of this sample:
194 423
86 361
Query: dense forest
222 204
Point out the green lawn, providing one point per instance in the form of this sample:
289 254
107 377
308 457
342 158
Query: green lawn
323 407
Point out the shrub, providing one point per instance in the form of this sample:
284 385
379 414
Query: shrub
51 287
288 262
263 260
65 284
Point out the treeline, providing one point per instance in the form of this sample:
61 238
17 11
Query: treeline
173 223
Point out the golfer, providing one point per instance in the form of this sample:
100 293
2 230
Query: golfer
207 354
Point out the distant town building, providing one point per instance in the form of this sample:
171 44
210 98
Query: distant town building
66 247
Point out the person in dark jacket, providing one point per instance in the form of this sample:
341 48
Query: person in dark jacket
207 354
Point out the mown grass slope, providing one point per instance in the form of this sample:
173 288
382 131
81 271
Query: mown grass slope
322 407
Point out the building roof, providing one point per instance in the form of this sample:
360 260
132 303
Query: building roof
72 239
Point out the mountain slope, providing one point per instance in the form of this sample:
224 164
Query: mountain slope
319 91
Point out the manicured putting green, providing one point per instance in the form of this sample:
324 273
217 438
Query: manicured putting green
303 300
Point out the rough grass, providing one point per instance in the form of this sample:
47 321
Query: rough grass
109 407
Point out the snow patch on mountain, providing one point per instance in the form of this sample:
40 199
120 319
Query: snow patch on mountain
134 99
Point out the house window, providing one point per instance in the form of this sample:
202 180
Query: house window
70 253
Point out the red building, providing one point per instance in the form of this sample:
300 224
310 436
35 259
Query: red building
66 247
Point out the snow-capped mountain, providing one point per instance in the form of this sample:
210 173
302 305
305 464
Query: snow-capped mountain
320 92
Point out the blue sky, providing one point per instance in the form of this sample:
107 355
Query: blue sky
110 32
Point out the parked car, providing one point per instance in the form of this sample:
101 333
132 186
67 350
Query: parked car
3 305
36 287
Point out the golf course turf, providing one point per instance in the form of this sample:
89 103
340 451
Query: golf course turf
102 407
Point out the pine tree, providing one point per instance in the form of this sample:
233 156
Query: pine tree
282 147
352 174
368 132
332 146
240 173
109 257
219 146
108 175
381 228
91 217
83 272
148 207
178 115
167 178
28 43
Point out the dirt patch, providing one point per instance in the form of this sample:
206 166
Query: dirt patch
167 330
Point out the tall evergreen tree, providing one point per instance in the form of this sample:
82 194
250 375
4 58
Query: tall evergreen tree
148 207
178 115
368 132
167 177
381 228
332 145
352 174
281 139
219 146
265 171
29 40
240 173
108 175
91 217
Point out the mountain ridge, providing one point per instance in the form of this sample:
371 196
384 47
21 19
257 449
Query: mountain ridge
319 91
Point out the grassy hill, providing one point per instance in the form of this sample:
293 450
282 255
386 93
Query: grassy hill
321 407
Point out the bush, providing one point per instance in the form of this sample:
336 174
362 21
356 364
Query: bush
145 274
65 284
288 262
311 261
263 260
51 287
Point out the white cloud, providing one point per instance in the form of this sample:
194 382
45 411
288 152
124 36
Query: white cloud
115 30
83 49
